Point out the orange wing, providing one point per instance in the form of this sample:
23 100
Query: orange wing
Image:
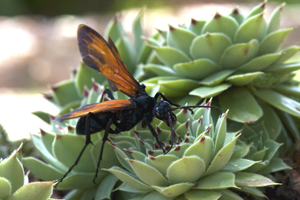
104 57
106 106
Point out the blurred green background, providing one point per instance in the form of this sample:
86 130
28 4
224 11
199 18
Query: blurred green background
38 46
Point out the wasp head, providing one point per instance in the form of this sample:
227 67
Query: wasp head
162 110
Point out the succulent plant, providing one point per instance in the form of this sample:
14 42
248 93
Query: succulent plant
14 182
205 154
236 59
60 147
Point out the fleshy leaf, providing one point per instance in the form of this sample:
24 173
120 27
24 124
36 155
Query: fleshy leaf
235 165
204 194
275 165
197 69
219 180
221 157
236 14
206 92
11 169
114 28
260 62
243 79
149 175
106 186
253 28
242 105
160 70
239 54
187 169
273 41
161 162
210 46
283 68
216 78
137 31
287 53
128 178
35 190
170 56
196 26
174 190
221 24
256 10
180 38
279 101
274 23
243 179
6 187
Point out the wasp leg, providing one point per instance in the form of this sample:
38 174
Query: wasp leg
154 134
172 133
87 142
109 94
104 139
168 100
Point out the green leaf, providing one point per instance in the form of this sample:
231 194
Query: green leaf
6 187
239 54
236 14
204 148
235 165
114 28
65 92
279 101
84 77
210 46
273 41
43 116
174 190
170 56
221 24
216 78
204 194
274 23
253 28
283 68
161 162
197 69
221 157
160 70
42 170
220 132
206 92
287 53
256 10
137 30
149 175
260 62
252 191
229 195
243 179
12 170
196 26
180 38
243 79
106 186
275 165
271 120
66 149
35 190
128 178
218 180
187 169
242 105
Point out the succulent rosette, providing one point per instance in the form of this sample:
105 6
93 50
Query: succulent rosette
237 59
14 184
204 154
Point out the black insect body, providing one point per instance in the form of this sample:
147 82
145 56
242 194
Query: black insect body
123 114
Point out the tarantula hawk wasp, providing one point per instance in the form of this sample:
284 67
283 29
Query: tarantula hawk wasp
104 57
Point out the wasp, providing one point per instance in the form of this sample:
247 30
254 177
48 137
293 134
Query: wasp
104 57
